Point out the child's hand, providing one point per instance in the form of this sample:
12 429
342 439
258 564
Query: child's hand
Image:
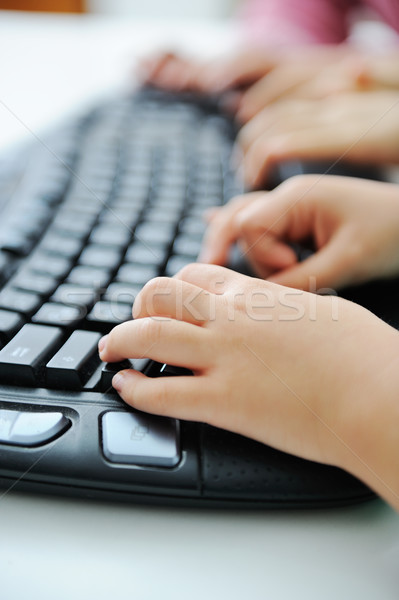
261 76
177 72
313 75
306 73
359 127
267 74
290 369
354 225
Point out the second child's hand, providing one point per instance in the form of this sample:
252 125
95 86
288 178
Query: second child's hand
353 223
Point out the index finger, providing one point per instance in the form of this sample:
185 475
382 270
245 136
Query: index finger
222 231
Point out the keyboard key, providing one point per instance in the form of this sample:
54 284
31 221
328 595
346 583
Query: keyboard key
74 222
111 235
175 263
110 369
122 292
31 220
126 217
162 214
84 203
69 293
53 313
146 255
154 233
193 227
100 256
69 226
137 275
23 359
55 266
4 264
93 277
140 439
16 242
166 198
156 369
23 302
28 429
187 246
61 245
75 362
110 313
25 280
10 322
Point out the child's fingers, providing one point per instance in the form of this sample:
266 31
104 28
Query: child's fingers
333 266
267 254
163 340
173 298
181 397
263 223
222 232
173 75
240 70
279 82
266 151
151 66
211 278
211 213
283 117
283 212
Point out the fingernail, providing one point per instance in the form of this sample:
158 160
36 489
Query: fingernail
117 381
102 343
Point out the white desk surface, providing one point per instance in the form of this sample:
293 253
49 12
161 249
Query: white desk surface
58 548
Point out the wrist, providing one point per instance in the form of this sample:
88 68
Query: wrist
368 422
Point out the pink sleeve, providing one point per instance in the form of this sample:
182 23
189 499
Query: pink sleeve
296 22
388 10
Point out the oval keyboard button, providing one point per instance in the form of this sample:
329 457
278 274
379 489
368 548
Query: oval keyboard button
25 428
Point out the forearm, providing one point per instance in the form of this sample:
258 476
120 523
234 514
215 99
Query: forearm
369 434
296 23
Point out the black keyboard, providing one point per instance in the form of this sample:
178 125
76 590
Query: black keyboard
88 216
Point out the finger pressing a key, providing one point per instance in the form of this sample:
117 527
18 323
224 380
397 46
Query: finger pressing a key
159 338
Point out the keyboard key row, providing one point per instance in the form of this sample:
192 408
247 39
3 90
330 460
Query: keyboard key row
39 355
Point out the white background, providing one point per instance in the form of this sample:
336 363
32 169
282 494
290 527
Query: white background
164 8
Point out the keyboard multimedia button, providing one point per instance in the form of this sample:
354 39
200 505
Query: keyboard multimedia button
140 439
26 428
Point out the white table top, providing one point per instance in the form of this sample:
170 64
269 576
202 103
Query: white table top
62 548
